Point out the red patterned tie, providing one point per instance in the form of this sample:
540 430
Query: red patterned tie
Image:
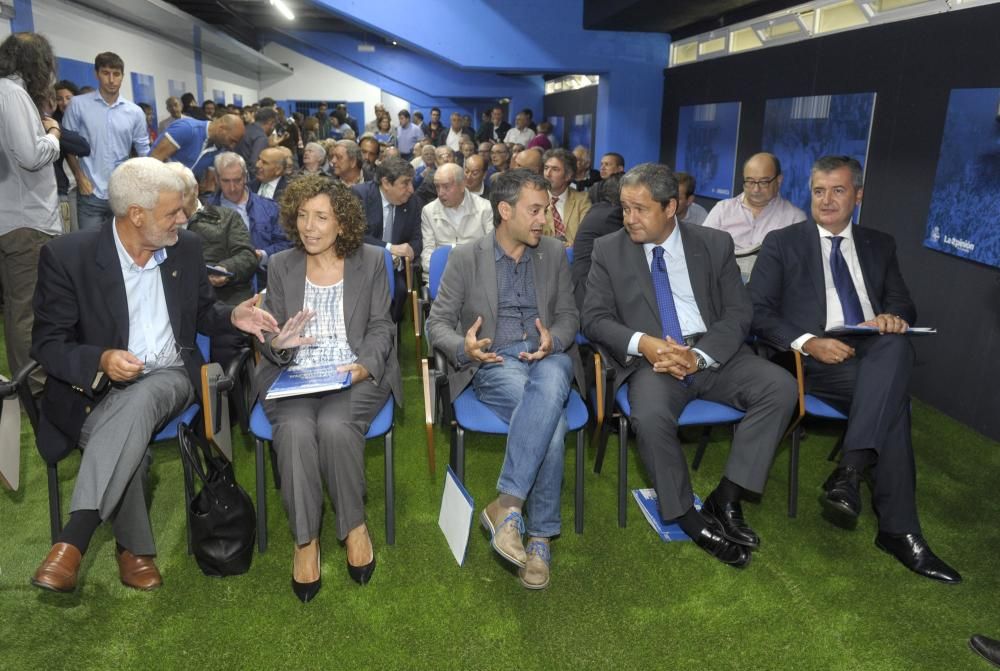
557 222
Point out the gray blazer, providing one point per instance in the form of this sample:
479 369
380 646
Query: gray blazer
620 299
370 329
469 290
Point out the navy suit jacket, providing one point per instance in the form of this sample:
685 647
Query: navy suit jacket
81 310
405 224
789 292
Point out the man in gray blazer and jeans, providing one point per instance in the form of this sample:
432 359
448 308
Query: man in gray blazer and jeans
667 303
506 320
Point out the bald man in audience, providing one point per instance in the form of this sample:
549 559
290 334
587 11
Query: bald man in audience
195 143
529 159
455 217
760 209
272 165
475 176
585 176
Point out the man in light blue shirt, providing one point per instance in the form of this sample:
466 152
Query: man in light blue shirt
407 135
113 126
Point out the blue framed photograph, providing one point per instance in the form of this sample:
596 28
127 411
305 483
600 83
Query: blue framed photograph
800 130
558 127
964 215
219 96
144 91
706 146
581 131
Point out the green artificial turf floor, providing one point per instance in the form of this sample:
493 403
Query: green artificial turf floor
814 597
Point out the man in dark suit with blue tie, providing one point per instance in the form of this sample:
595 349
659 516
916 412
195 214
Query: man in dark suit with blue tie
393 215
667 303
819 275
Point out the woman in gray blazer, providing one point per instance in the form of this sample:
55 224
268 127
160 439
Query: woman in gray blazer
331 293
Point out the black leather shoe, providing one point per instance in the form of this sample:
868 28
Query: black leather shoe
987 648
726 552
727 520
842 492
361 574
914 553
306 590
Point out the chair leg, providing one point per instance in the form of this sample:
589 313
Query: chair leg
579 481
460 453
275 473
602 446
188 495
706 433
793 473
261 498
622 470
390 492
55 514
836 449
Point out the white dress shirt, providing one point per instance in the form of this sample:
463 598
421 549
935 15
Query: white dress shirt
267 189
834 311
688 313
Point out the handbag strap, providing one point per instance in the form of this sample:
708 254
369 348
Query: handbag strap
185 436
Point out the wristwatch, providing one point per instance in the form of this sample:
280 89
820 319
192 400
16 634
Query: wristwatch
702 364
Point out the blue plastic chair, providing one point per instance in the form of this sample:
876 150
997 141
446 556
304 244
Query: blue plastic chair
698 412
381 426
168 432
472 415
809 406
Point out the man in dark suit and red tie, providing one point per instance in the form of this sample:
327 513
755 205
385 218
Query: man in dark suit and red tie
667 303
826 273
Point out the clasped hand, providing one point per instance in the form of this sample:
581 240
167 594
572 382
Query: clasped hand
668 356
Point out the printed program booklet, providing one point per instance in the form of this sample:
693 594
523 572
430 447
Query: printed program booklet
871 330
299 380
649 505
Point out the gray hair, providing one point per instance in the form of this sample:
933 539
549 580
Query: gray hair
184 172
452 172
139 182
657 177
505 187
317 148
831 163
227 159
353 151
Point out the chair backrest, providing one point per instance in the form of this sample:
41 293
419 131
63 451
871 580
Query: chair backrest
439 259
569 255
204 345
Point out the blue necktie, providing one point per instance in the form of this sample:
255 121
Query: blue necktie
849 301
665 297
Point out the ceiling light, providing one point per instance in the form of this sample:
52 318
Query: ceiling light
283 8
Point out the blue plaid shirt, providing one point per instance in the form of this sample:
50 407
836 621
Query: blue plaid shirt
517 304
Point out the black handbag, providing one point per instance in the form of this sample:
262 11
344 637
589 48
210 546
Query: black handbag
222 520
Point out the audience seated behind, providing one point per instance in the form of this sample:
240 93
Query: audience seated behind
455 217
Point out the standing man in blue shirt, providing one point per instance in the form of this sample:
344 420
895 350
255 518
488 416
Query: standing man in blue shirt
113 126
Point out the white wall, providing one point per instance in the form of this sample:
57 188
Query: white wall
79 33
315 81
4 28
393 104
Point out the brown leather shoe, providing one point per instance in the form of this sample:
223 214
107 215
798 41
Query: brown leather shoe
138 572
60 569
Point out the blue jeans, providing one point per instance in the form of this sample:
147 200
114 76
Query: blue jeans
92 212
530 397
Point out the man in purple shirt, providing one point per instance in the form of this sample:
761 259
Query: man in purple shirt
757 211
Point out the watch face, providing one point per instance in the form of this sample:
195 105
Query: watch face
702 364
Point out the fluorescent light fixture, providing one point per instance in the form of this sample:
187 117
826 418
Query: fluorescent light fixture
283 8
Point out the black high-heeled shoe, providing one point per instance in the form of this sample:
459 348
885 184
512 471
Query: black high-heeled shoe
305 591
361 574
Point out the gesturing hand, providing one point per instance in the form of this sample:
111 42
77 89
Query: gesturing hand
544 344
290 335
121 365
828 350
249 318
476 349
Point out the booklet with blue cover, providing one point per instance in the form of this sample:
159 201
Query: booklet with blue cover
650 507
846 330
455 518
299 380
